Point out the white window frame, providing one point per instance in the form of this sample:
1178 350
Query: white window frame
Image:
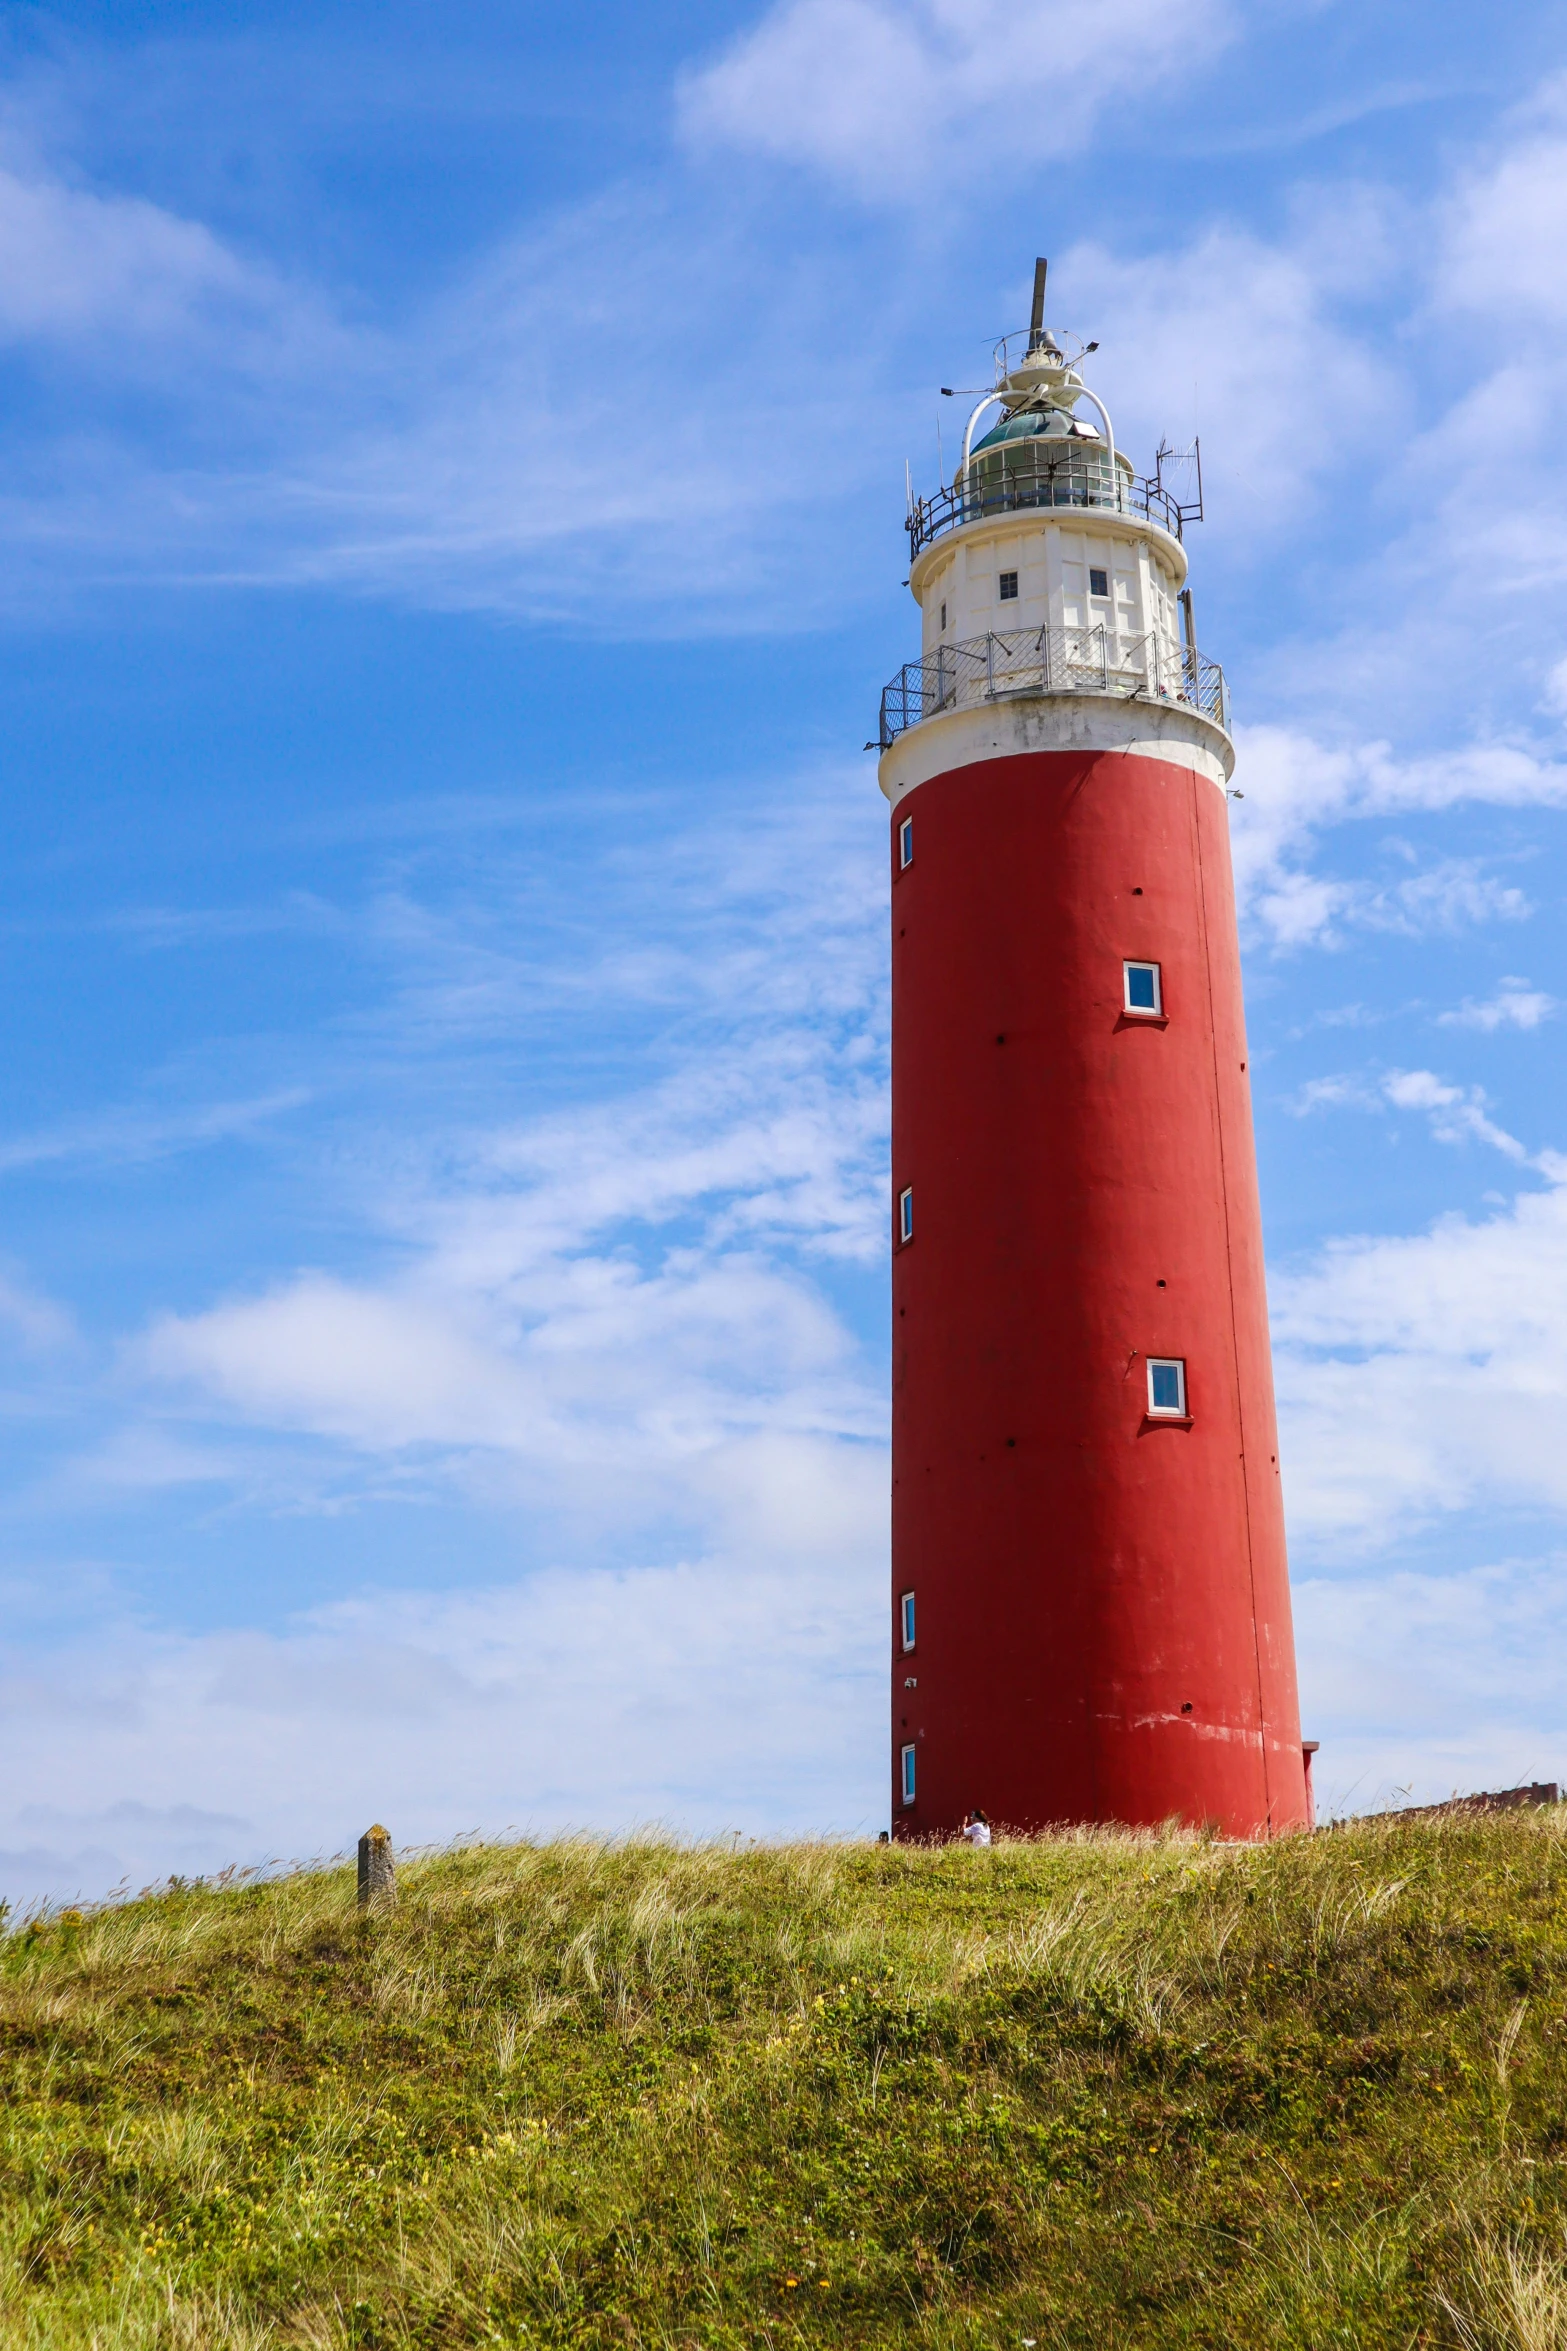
906 1620
1177 1364
908 1776
1004 594
906 844
1154 1011
906 1214
1103 569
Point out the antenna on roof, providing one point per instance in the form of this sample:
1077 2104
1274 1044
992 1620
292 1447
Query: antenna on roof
1036 323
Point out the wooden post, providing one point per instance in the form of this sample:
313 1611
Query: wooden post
377 1877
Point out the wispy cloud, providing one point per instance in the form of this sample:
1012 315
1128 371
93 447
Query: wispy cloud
610 1327
1298 789
625 1290
623 1306
1404 640
1505 222
1514 1006
1457 1114
77 267
1421 1685
551 438
897 98
38 1322
133 1133
735 1691
552 433
1425 1374
1243 339
599 1300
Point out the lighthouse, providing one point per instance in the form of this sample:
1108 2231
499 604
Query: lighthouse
1090 1603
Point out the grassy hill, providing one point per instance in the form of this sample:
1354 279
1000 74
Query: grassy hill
1092 2091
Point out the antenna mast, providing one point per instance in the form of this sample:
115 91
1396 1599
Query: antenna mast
1036 323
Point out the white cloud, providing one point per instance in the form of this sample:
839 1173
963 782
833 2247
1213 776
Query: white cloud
619 1308
1448 895
1339 1092
380 1371
74 264
740 1691
1514 1006
139 1134
1409 637
1458 1114
146 1458
1237 338
1296 789
119 286
1426 1373
1421 1686
38 1322
553 435
902 97
615 1318
604 1389
1505 225
624 1308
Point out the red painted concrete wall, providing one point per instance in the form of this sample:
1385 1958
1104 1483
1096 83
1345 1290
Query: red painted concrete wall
1102 1600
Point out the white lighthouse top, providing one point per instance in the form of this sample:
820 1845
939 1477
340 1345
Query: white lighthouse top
1038 386
1047 571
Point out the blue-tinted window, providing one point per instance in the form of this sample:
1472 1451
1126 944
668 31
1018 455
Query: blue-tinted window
908 1775
1098 582
906 1214
907 1607
1167 1385
906 841
1008 587
1144 989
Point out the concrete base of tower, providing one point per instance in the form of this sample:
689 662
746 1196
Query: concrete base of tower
1095 1581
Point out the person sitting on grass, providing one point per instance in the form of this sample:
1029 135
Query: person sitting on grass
976 1829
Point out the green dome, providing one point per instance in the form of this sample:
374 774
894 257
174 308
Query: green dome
1029 424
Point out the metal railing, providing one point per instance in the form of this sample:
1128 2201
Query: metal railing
1063 484
1024 662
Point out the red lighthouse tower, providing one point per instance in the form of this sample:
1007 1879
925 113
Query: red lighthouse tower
1091 1603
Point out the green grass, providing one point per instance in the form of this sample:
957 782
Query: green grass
1088 2091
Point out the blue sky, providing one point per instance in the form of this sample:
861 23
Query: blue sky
451 467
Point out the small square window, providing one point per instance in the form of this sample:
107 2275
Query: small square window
907 1761
1098 581
1009 587
1144 988
906 1213
906 1618
906 841
1167 1387
943 620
